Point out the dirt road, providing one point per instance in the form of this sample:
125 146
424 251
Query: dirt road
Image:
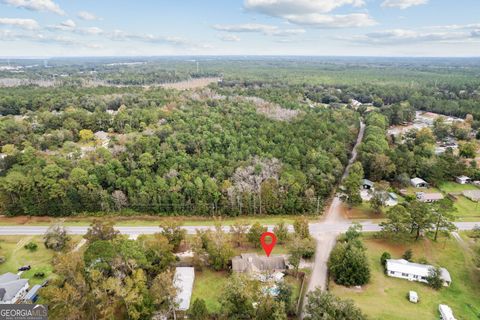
326 240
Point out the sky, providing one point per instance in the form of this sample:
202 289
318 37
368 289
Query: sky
48 28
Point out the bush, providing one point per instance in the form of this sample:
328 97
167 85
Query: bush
300 225
39 275
309 246
32 246
2 259
423 261
281 232
198 311
348 265
255 232
434 278
56 238
385 256
408 255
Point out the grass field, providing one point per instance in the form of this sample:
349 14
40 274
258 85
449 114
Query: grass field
456 187
143 220
362 212
467 209
16 256
208 286
386 298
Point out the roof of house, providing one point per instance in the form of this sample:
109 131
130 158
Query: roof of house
251 262
367 182
463 178
431 196
9 290
33 292
418 181
184 278
8 277
422 270
393 195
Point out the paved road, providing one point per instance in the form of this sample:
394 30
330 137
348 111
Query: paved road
317 229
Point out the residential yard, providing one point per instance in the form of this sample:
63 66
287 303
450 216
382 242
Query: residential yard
362 212
386 298
208 286
11 247
467 209
456 187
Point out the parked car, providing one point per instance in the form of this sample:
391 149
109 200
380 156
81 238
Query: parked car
24 268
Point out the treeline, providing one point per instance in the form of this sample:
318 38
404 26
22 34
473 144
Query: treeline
204 158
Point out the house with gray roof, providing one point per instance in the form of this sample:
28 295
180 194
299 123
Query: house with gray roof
253 264
12 288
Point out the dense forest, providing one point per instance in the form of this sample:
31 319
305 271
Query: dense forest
272 138
164 152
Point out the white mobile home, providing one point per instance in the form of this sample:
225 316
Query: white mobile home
414 271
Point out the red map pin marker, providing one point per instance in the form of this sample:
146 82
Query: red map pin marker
268 247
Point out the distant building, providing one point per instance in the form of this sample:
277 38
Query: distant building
429 197
367 184
184 279
12 288
414 271
418 183
252 263
463 180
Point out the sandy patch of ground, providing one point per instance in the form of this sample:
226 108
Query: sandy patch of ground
191 84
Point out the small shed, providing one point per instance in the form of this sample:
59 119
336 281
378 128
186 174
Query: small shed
418 183
184 278
367 184
446 312
413 297
463 180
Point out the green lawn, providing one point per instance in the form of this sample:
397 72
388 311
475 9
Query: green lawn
386 298
17 256
11 247
456 187
208 286
466 208
144 220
